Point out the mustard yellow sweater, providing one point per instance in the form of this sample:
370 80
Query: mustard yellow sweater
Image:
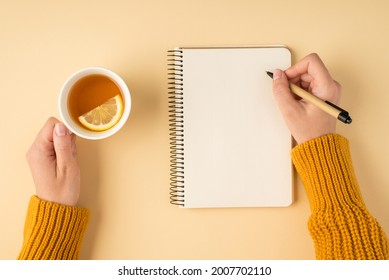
340 224
53 231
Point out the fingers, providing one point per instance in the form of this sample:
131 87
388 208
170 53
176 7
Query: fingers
42 147
53 142
309 68
45 135
284 97
311 64
311 74
65 147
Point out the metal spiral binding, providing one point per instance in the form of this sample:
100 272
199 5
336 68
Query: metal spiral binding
176 126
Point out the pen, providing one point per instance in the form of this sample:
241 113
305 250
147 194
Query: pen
325 105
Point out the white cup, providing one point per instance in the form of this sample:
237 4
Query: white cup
77 128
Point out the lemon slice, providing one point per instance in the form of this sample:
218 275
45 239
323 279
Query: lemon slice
105 116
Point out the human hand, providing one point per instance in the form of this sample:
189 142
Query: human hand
305 120
53 163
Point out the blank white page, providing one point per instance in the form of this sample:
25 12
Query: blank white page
236 145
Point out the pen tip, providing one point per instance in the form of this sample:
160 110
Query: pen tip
270 74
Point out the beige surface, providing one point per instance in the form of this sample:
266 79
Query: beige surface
125 179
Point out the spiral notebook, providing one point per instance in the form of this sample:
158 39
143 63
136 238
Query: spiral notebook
229 145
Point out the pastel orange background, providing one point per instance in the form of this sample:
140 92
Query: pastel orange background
125 179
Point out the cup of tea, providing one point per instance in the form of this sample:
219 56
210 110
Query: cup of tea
94 103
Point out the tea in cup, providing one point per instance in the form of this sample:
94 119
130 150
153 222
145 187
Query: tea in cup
94 103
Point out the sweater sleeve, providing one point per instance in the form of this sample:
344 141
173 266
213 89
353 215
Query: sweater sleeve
53 231
340 224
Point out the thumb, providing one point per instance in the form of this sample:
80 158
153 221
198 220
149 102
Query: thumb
284 97
63 146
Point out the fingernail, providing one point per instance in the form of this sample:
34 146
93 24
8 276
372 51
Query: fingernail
60 129
277 74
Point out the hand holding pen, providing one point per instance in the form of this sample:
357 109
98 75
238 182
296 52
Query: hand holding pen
305 119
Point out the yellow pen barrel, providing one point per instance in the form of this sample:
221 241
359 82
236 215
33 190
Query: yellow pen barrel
314 100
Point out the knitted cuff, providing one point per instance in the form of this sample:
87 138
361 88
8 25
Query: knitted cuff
53 231
325 168
340 224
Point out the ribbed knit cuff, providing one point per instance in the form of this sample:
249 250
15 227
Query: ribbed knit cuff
340 225
53 231
325 167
